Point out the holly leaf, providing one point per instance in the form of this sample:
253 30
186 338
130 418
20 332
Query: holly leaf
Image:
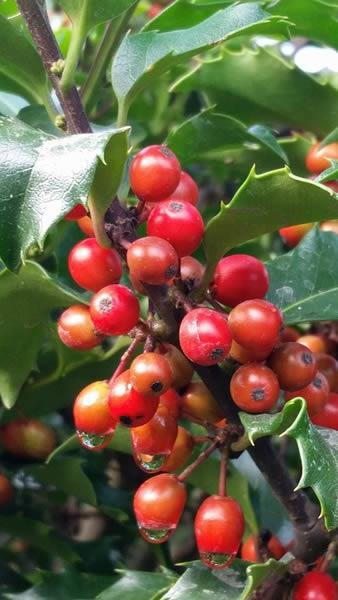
303 282
182 14
26 301
330 138
262 204
137 584
68 584
65 474
142 57
92 12
259 86
256 575
330 173
198 582
42 178
209 135
318 450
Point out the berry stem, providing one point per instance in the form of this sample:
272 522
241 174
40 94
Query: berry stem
223 469
199 460
181 301
125 358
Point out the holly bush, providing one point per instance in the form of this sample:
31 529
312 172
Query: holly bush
168 299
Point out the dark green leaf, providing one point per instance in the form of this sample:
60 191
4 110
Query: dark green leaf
10 104
331 137
137 584
42 178
37 117
66 474
184 13
318 449
258 573
303 282
265 203
65 586
26 301
259 86
92 12
266 137
142 57
199 583
329 174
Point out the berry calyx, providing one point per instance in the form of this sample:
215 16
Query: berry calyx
158 506
76 328
219 527
294 365
249 550
28 438
238 278
294 234
91 412
255 324
76 213
114 310
151 374
180 452
180 223
182 369
154 173
317 158
254 388
205 336
187 190
93 267
316 394
6 490
152 260
153 442
198 403
328 416
315 585
127 405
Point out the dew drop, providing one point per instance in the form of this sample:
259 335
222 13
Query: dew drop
215 560
92 441
151 463
156 536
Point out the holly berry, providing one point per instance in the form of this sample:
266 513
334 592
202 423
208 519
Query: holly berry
316 394
151 374
155 439
255 324
219 527
154 10
254 388
114 310
292 235
152 260
76 213
198 403
244 355
315 343
154 173
172 401
289 334
294 365
315 585
6 490
327 365
317 158
86 226
91 412
187 190
249 550
158 506
182 369
180 452
93 267
76 328
191 271
28 438
238 278
127 405
179 223
328 416
204 336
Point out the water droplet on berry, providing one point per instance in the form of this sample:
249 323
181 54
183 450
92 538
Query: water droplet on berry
151 464
92 441
215 560
156 536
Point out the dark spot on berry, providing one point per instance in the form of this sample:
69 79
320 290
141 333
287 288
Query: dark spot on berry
167 152
307 358
105 305
317 383
258 394
126 420
176 206
170 272
157 386
217 354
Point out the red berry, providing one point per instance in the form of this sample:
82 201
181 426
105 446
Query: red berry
86 226
158 506
181 368
191 271
198 403
293 234
153 442
205 337
317 158
187 190
127 405
179 223
154 173
254 388
28 438
76 328
244 355
255 324
93 267
316 394
315 343
114 310
91 412
172 401
249 550
328 416
154 10
151 374
315 585
152 260
219 527
180 452
76 213
238 278
294 365
289 334
6 490
327 365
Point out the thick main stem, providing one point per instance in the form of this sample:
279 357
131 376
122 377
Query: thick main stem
47 47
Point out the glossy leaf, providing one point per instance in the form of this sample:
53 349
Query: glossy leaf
68 584
184 13
303 282
43 177
330 174
318 449
259 86
137 584
198 582
330 138
256 574
142 57
26 301
209 135
265 203
92 12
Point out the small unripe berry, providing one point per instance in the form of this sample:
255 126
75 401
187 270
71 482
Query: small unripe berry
205 336
114 310
93 267
154 173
